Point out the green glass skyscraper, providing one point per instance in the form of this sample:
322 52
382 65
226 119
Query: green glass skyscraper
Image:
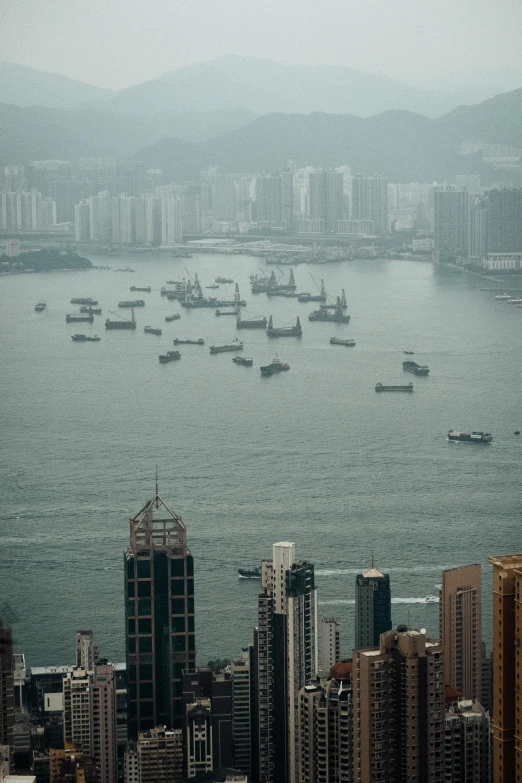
159 617
372 607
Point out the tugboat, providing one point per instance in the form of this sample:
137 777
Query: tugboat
84 301
243 361
379 387
337 341
170 356
79 318
188 342
40 307
337 317
132 303
223 280
91 310
254 323
174 317
276 366
146 290
284 331
249 573
83 338
152 330
470 437
235 346
416 369
123 323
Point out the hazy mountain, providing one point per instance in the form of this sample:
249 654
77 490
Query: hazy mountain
23 86
402 145
38 133
264 86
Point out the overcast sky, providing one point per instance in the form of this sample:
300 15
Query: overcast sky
115 43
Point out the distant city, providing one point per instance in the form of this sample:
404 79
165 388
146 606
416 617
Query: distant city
99 206
286 709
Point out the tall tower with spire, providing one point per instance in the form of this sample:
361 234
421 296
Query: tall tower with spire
159 617
372 607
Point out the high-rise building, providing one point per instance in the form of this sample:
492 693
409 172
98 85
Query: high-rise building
159 616
156 757
217 689
77 710
398 710
6 689
504 221
100 217
103 732
171 220
325 728
467 743
123 219
199 738
452 222
268 201
461 629
326 198
507 663
329 645
372 607
242 704
86 651
370 201
287 658
66 194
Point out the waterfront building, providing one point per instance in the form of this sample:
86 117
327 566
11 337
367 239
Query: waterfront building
287 658
507 662
6 689
268 201
156 757
26 211
460 620
372 607
199 738
370 201
452 221
398 709
355 227
504 220
67 194
100 217
159 617
329 645
467 743
77 710
82 221
171 220
326 198
123 219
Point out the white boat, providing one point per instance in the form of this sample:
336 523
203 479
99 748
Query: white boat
432 599
503 296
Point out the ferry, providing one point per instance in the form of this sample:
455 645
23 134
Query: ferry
379 387
503 296
470 437
249 573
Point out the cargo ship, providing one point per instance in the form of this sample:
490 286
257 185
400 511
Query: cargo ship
235 346
84 301
40 307
152 330
337 341
123 323
175 317
91 310
188 342
254 323
170 356
323 314
321 297
276 366
249 573
132 303
146 289
83 338
470 437
379 387
416 369
284 331
224 280
243 361
79 318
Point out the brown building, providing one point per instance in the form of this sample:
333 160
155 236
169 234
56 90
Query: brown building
398 710
6 689
460 620
157 757
507 663
103 734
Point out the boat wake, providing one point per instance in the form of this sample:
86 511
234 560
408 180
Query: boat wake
351 601
401 569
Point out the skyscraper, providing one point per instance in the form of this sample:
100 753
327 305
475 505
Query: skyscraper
86 652
199 738
370 201
398 710
268 200
329 645
103 733
326 198
159 615
6 688
171 220
77 710
504 221
461 630
287 658
372 607
467 743
241 676
452 222
156 757
507 663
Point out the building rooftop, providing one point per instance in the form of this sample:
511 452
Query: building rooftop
373 572
506 561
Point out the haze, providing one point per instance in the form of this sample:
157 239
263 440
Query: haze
123 42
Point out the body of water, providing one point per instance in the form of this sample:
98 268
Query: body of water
313 455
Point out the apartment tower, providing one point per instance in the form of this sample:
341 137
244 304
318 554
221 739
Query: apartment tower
159 616
507 664
329 645
372 607
461 630
156 757
6 689
398 710
467 743
103 735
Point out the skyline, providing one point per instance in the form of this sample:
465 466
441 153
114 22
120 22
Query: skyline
390 41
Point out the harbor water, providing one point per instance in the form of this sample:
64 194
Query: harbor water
312 455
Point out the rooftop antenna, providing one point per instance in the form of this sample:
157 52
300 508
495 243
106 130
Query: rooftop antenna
408 619
372 559
157 491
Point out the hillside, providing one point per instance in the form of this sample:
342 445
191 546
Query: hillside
25 86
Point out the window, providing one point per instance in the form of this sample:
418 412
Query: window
143 568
